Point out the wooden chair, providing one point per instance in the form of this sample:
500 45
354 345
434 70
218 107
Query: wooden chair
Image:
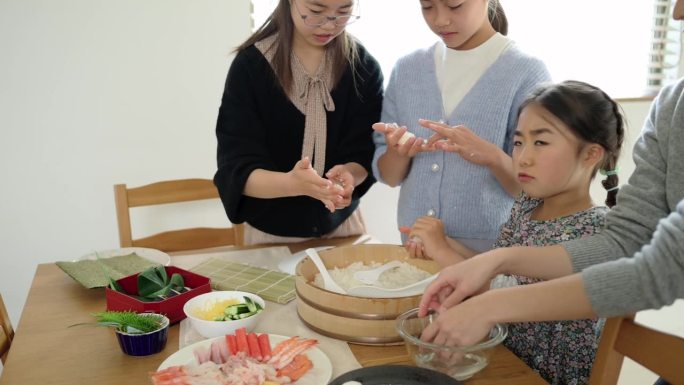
173 191
659 352
6 331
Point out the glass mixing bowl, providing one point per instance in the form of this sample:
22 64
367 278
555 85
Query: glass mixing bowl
458 362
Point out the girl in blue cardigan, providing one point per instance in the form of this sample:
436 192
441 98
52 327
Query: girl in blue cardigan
474 77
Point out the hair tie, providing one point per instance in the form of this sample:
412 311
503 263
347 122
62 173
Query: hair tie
609 172
612 188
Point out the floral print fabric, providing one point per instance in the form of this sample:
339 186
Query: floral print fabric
561 352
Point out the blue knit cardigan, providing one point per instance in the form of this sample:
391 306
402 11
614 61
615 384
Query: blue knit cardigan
465 196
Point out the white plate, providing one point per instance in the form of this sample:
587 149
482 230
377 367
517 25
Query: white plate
153 255
321 373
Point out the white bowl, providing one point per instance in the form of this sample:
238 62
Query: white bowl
211 329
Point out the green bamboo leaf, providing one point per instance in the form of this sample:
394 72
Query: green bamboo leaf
115 286
177 280
150 281
153 274
163 292
161 272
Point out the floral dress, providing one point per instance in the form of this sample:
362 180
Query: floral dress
562 352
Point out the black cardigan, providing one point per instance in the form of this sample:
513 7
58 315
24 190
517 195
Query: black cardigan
258 127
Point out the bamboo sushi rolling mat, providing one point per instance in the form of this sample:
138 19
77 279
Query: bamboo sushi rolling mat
272 285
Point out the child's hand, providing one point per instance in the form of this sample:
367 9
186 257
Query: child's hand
341 177
399 140
461 140
433 241
305 181
413 245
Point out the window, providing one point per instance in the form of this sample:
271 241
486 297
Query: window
665 53
605 42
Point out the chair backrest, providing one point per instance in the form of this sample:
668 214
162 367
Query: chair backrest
6 331
173 191
659 352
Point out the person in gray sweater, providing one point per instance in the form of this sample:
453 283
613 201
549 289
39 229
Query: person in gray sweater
635 263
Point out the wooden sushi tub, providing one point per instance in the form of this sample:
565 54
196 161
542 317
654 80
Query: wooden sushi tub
369 321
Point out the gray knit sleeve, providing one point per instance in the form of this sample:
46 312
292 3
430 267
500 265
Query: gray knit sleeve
650 280
643 200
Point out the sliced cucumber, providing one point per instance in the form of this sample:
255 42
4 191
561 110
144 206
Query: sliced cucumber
236 309
240 310
250 304
245 315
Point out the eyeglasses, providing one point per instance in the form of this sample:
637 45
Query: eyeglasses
319 20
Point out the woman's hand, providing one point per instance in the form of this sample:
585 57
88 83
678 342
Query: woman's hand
303 180
340 176
469 322
462 325
457 282
464 142
399 140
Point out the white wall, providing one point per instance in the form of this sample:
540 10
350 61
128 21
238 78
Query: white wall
93 93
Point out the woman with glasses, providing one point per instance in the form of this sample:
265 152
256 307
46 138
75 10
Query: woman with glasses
294 127
474 79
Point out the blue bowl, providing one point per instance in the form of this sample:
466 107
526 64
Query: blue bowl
146 343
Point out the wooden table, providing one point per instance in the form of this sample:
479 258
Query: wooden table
47 351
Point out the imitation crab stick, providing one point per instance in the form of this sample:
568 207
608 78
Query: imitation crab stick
253 345
264 346
241 336
231 341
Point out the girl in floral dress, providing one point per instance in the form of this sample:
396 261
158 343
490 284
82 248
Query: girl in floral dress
566 134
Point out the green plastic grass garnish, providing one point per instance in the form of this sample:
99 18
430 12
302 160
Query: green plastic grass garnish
128 321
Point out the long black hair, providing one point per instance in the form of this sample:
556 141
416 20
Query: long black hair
593 117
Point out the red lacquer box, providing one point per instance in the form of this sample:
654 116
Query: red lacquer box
171 307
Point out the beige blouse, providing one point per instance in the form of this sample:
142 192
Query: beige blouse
311 96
